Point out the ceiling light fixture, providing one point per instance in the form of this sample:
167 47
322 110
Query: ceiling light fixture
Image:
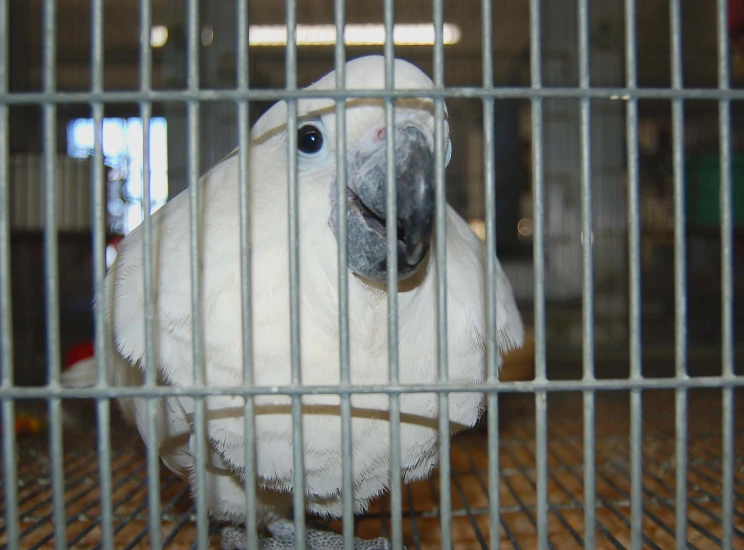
158 36
421 34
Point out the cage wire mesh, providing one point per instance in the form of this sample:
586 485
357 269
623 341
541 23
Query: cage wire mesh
622 433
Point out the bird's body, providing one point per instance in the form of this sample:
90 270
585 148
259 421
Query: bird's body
318 309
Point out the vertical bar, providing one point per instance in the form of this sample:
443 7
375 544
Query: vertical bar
634 250
10 478
98 191
492 346
680 298
51 272
195 235
347 473
396 489
588 276
244 198
445 474
151 361
727 288
541 421
294 275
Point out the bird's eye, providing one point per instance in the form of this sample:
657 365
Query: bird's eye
309 139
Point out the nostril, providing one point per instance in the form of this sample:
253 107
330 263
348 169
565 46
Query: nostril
401 233
381 134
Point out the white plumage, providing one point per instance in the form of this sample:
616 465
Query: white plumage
466 308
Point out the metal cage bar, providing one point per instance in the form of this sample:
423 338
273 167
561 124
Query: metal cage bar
103 405
587 232
445 473
10 475
151 360
680 297
492 350
294 274
195 252
246 288
453 92
51 281
605 384
347 474
541 400
391 208
728 449
634 253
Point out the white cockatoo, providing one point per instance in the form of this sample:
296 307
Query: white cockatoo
318 309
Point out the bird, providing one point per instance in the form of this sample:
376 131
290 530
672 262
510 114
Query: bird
318 299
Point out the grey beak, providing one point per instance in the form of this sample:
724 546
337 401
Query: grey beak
414 161
415 194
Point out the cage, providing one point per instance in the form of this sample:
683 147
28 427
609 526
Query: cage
596 151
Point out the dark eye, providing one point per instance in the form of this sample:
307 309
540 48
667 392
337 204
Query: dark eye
309 139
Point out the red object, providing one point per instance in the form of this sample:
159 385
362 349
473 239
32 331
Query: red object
79 352
736 19
27 424
115 240
86 350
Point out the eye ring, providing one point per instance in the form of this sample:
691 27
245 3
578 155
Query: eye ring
310 139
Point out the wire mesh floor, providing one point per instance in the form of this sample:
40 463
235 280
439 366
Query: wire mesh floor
470 525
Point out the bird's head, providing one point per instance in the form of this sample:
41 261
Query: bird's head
366 164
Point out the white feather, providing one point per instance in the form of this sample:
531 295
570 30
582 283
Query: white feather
319 336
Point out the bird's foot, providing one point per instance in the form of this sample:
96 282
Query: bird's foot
283 538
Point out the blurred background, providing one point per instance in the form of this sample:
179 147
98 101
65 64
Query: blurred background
122 145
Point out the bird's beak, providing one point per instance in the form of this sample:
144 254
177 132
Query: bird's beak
414 164
415 195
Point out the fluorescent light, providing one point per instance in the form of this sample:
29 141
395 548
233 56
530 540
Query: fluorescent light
158 36
356 35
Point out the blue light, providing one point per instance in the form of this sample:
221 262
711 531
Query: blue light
123 152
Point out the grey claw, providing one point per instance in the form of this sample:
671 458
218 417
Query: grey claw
233 538
283 538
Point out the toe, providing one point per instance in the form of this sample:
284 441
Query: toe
233 538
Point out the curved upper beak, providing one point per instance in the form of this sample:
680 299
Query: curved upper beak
416 197
415 193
